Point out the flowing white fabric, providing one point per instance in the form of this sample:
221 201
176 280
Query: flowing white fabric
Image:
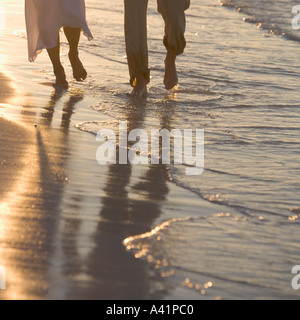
44 19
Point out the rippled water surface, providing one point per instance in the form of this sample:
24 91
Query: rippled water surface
239 81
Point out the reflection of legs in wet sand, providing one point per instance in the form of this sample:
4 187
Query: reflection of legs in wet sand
47 115
68 109
52 163
53 157
173 13
31 229
127 210
114 271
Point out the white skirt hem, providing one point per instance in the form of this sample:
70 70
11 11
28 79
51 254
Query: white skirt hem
44 20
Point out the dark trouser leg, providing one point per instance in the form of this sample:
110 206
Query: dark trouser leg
136 39
173 13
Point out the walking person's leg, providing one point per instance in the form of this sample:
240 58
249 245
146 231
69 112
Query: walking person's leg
54 54
136 44
73 36
173 13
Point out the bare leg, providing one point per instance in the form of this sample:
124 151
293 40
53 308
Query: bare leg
171 78
73 36
173 13
54 54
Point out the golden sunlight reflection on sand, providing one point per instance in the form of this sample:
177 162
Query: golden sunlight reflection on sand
14 229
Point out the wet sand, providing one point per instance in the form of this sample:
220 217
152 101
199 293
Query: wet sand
14 139
64 217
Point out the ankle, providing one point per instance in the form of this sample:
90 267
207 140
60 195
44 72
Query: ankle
58 70
171 57
73 53
141 81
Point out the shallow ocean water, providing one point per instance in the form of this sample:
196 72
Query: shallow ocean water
239 81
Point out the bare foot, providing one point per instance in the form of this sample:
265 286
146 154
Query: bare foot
140 90
61 81
79 73
171 78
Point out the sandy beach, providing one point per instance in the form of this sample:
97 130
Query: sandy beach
58 204
230 233
64 217
14 140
